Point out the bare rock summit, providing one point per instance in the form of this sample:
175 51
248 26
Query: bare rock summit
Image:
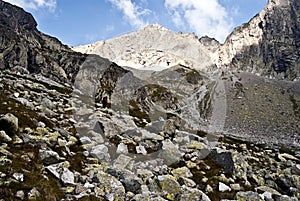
153 47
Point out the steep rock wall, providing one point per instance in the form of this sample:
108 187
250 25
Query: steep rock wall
269 44
24 49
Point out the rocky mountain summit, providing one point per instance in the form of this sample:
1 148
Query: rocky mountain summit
268 45
81 127
141 49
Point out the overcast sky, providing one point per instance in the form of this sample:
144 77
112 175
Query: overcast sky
77 22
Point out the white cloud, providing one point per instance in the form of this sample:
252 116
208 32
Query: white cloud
132 12
34 4
205 17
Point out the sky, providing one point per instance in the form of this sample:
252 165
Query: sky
78 22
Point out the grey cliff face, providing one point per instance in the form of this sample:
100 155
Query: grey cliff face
269 44
281 39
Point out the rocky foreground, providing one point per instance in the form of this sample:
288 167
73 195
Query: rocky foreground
51 149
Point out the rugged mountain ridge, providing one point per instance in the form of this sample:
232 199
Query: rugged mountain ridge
23 48
268 45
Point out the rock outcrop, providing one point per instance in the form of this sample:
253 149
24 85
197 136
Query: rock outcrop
268 44
24 49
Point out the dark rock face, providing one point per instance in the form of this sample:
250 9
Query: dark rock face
284 183
156 94
281 39
278 52
23 48
109 79
16 18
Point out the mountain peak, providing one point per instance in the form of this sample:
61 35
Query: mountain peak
153 46
247 47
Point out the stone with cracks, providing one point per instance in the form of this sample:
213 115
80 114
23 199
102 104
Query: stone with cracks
100 152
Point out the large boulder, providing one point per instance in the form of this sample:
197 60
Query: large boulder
108 186
249 195
222 158
49 157
169 186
